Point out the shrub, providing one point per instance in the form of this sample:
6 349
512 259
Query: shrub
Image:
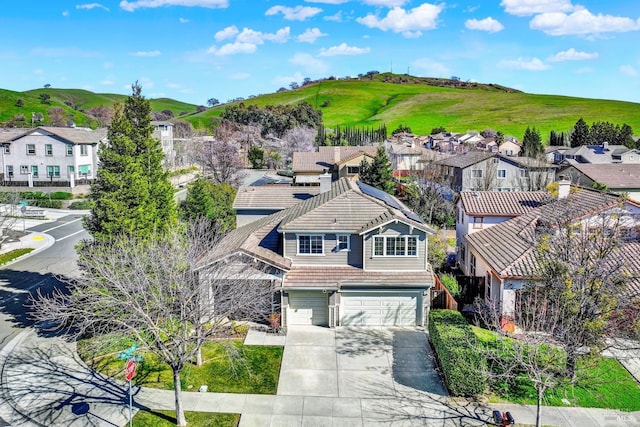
457 349
46 203
451 283
81 204
61 195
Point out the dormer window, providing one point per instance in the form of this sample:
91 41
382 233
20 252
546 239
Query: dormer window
395 246
310 244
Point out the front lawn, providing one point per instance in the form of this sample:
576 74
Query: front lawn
229 367
194 419
602 383
13 254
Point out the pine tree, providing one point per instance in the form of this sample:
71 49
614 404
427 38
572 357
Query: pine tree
579 134
378 173
132 194
532 143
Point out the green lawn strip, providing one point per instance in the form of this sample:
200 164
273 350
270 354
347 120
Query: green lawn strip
603 383
13 254
194 419
255 369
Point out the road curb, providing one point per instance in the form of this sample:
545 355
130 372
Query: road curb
48 242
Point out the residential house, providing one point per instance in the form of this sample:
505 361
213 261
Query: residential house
619 178
352 255
510 147
488 144
470 138
339 161
163 131
479 210
603 153
46 155
409 157
555 154
479 170
256 202
505 254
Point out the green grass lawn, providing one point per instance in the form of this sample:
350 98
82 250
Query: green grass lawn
253 369
602 383
194 419
13 254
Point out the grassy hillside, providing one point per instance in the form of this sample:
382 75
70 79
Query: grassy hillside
423 107
74 102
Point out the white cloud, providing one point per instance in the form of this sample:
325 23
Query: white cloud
310 35
107 82
131 6
409 23
173 85
286 80
227 33
471 9
256 37
487 24
534 7
337 17
183 20
385 3
298 13
308 63
146 54
90 6
628 70
240 76
582 22
280 36
528 64
572 55
327 1
233 48
429 68
65 13
344 49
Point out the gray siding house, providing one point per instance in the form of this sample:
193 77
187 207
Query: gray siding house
352 255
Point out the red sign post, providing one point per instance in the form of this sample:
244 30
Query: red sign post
130 369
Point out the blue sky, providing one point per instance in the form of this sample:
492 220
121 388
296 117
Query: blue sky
193 50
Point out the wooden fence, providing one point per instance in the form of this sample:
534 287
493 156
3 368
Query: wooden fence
441 297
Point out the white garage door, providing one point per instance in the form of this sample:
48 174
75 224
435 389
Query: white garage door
378 309
307 308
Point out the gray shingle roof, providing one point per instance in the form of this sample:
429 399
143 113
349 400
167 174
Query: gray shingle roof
508 247
272 196
325 157
616 176
465 160
502 203
77 135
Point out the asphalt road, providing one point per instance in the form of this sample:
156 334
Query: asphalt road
40 271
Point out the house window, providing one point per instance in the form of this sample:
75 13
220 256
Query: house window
477 221
34 171
53 171
472 266
310 244
343 242
395 246
524 173
69 150
476 173
24 170
502 173
83 150
7 149
353 170
48 150
495 160
10 171
31 149
488 286
84 170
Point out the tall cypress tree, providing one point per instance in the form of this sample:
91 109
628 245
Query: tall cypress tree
579 134
132 194
379 172
532 143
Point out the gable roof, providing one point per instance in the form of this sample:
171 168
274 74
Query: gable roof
272 196
508 247
465 160
68 135
526 162
502 203
596 153
616 176
326 156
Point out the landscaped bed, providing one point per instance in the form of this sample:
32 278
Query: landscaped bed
194 419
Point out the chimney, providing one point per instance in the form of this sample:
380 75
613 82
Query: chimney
336 154
564 187
325 182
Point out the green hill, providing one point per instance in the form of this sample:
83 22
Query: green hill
423 104
372 100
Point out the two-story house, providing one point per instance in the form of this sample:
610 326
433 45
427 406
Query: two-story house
505 255
49 154
339 161
163 131
480 170
619 178
601 153
352 255
479 210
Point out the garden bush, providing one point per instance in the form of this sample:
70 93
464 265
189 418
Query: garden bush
46 203
451 283
81 204
457 349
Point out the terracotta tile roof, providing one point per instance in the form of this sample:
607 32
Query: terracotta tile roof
465 160
336 277
615 176
502 203
325 157
272 196
508 247
631 254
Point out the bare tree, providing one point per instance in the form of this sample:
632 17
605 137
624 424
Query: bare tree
8 214
430 199
161 291
298 139
102 114
221 159
58 116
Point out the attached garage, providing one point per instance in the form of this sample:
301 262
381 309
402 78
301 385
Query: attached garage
379 309
307 308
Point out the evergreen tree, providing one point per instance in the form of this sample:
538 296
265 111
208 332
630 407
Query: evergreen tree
378 173
132 194
532 143
211 200
579 134
625 136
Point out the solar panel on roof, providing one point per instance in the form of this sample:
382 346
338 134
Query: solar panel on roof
388 199
412 216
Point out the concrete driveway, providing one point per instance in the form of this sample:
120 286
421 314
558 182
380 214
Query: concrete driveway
357 363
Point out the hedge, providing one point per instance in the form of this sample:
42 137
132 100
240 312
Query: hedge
457 349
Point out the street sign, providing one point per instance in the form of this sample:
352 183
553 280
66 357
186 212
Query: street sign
130 369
